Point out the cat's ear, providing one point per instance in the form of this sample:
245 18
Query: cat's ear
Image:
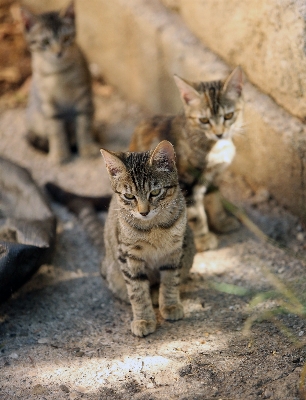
188 94
68 12
28 19
163 157
233 85
114 165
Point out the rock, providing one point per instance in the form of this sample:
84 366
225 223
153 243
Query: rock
43 340
64 388
300 237
38 389
73 396
81 389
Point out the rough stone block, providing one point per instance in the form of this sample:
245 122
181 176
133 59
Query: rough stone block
44 5
271 151
118 36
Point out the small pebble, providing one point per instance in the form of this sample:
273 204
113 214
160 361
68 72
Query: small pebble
301 333
68 225
38 389
14 355
64 388
81 389
267 394
43 340
299 228
300 237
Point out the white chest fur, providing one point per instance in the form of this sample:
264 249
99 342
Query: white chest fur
222 153
219 158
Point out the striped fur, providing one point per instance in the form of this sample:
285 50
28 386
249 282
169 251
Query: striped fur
202 137
145 232
60 108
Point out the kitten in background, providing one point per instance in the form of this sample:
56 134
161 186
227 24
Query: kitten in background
146 237
202 137
60 110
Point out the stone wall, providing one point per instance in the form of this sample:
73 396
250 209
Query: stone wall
140 44
267 38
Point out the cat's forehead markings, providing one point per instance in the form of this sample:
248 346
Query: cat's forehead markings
211 92
208 112
208 99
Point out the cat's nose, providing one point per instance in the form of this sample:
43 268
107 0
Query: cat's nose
219 135
144 213
59 54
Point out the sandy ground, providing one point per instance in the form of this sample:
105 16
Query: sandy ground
64 335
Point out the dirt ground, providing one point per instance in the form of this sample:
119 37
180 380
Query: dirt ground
64 335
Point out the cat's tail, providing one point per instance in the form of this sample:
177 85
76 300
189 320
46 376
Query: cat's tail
85 208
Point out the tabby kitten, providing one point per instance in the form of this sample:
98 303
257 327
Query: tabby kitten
202 137
60 96
144 234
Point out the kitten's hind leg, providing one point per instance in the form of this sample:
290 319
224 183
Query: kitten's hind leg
86 146
36 134
197 219
58 141
218 219
189 252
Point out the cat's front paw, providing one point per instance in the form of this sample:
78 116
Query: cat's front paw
173 312
209 241
141 327
89 150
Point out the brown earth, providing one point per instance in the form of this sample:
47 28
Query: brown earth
65 336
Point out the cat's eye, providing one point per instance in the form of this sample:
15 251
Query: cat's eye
129 196
155 192
228 116
45 42
204 120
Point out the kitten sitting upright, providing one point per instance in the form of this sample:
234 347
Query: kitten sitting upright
202 137
60 109
144 234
